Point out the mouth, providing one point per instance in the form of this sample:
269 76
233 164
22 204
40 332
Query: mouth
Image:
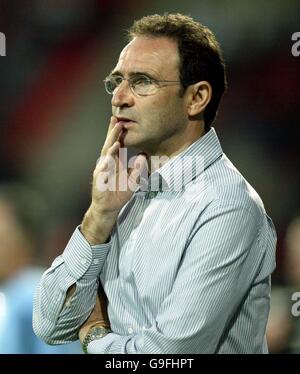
125 122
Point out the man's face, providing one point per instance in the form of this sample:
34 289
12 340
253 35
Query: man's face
159 120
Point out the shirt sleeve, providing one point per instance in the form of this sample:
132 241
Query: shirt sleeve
223 256
54 320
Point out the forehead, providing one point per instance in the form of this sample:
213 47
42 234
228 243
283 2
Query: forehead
157 55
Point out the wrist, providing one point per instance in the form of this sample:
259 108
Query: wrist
93 237
95 331
96 226
99 211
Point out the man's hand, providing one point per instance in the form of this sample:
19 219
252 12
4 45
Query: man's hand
97 317
107 203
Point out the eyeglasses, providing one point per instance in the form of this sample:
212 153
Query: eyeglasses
140 84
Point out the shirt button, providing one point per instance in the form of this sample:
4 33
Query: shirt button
83 261
96 261
130 330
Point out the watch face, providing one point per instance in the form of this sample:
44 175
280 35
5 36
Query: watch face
98 332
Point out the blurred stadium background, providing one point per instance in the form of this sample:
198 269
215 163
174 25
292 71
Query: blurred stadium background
54 114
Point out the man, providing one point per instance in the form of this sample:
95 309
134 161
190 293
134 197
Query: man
185 266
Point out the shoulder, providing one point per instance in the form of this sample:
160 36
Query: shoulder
228 189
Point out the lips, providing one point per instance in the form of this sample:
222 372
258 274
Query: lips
124 119
126 123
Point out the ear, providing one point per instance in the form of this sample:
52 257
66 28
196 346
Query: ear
199 96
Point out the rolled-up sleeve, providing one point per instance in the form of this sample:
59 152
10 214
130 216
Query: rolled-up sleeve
54 320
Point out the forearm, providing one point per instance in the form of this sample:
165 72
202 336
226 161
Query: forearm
58 314
56 320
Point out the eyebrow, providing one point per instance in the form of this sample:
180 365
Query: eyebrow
133 73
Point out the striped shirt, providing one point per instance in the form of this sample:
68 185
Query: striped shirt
186 269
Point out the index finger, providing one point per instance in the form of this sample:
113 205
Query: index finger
113 121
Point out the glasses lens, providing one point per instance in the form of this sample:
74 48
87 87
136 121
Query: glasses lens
140 84
143 85
111 83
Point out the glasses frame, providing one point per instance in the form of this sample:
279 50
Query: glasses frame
130 83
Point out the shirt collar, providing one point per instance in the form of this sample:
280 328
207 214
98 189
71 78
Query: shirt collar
186 166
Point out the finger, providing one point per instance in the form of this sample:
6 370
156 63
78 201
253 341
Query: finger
112 137
114 149
103 161
113 121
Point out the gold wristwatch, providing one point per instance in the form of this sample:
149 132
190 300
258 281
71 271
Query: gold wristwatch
94 333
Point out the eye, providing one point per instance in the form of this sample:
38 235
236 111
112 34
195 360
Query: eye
116 80
141 80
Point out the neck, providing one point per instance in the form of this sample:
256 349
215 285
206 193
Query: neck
170 148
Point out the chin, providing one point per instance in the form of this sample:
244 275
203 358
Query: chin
130 141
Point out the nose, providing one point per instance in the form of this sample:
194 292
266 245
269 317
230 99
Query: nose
123 97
